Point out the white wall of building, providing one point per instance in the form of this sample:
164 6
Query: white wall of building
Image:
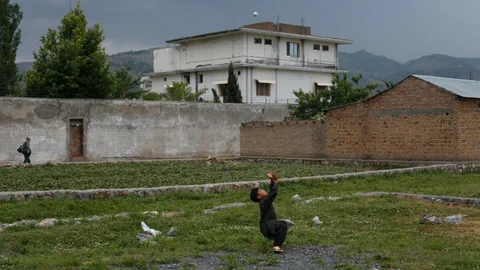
320 56
214 51
282 83
295 80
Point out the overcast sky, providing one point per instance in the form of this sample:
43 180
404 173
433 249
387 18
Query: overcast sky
399 29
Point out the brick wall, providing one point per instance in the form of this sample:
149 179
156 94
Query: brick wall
305 139
468 115
414 121
285 28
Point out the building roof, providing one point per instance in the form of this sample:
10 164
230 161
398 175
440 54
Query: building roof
462 88
268 28
459 87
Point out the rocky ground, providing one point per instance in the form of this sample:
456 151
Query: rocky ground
308 257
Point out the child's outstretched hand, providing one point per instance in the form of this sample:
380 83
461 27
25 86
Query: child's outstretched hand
273 176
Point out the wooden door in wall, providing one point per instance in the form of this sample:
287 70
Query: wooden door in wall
76 138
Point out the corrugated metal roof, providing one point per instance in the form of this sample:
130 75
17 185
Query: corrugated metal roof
463 88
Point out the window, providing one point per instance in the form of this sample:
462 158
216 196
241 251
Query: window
187 79
239 73
263 89
320 88
325 48
268 42
257 40
316 47
200 78
292 49
165 79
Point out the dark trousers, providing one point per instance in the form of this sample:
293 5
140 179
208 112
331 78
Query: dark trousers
27 159
278 233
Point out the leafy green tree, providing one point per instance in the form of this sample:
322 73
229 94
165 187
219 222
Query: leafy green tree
232 94
124 82
72 62
10 34
388 84
151 96
180 91
312 105
216 98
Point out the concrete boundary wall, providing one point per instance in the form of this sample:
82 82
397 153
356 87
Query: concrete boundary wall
87 129
220 187
447 200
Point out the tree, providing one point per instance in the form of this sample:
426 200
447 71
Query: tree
10 34
124 82
232 94
180 91
216 98
312 105
388 84
71 63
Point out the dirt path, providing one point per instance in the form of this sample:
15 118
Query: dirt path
309 257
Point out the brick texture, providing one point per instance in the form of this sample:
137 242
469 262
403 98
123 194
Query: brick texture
283 139
415 120
285 28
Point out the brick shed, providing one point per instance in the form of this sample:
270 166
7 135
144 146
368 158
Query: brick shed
420 118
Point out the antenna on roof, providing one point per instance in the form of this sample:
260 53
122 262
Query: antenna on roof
278 22
303 26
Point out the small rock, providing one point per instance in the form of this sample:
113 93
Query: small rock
142 237
430 219
94 218
296 198
77 223
123 214
172 214
23 223
107 216
456 219
151 213
317 221
222 207
171 233
438 201
47 222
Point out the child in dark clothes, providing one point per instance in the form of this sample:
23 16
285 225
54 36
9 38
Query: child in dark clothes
270 227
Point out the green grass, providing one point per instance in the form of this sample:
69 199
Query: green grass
127 175
386 227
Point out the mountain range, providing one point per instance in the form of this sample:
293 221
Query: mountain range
374 68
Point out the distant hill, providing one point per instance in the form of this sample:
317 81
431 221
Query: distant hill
141 62
374 68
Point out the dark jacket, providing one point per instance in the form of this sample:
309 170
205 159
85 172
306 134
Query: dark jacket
26 148
267 212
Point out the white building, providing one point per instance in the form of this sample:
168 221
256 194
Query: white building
270 61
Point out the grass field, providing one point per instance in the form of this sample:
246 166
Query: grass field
386 227
126 175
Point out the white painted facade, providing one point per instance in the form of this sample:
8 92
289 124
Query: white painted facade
258 64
